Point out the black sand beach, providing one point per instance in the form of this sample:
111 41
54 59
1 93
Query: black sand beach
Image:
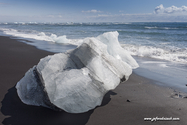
128 104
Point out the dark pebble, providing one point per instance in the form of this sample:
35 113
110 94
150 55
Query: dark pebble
128 100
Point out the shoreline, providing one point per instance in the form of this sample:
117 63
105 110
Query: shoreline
129 103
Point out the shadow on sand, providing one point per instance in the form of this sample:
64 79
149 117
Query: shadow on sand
21 114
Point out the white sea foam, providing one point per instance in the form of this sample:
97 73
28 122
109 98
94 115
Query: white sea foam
159 63
152 62
42 36
172 54
163 65
166 28
147 27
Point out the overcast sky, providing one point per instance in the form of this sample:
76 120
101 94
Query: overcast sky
93 10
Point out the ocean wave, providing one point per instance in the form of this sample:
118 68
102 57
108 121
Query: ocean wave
66 23
147 27
41 36
166 28
172 54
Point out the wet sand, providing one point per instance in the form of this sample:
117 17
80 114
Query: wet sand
128 104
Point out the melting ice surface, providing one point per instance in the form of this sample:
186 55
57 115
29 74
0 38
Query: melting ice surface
77 80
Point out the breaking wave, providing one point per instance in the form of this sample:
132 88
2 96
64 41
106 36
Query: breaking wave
166 28
42 36
172 54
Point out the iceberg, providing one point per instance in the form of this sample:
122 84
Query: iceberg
76 81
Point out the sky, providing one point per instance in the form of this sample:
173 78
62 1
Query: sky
93 10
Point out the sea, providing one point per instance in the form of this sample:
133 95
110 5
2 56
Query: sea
159 48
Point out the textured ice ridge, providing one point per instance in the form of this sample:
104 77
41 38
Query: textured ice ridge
77 80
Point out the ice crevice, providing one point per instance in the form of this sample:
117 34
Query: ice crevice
76 81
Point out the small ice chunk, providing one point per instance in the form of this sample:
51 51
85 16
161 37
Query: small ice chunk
60 39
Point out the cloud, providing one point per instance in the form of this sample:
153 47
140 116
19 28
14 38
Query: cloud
170 10
142 17
159 9
91 11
